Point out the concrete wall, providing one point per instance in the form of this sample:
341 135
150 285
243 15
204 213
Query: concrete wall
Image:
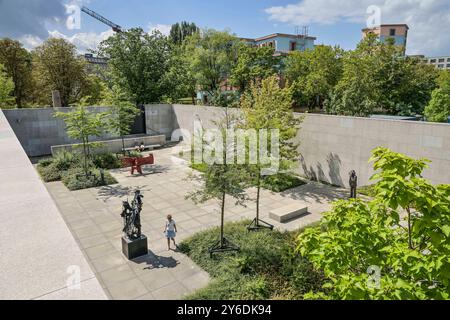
38 130
331 146
115 145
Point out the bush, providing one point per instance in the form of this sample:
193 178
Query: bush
76 179
64 160
281 182
106 161
264 268
48 171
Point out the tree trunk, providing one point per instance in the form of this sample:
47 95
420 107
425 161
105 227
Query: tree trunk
258 193
222 220
85 157
409 229
123 144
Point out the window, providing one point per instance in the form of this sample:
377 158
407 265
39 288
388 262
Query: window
432 60
392 32
448 65
448 59
440 66
441 60
293 46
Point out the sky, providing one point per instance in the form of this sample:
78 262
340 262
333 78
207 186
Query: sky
333 22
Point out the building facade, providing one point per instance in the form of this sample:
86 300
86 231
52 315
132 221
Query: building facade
438 62
397 32
283 43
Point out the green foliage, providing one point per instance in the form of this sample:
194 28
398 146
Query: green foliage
281 182
57 66
6 89
106 161
313 74
82 124
253 65
180 31
76 179
17 63
138 62
376 76
211 57
355 236
438 109
367 191
264 268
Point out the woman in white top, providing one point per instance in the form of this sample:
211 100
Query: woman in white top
170 231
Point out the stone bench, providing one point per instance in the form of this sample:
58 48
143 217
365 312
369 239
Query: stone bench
288 212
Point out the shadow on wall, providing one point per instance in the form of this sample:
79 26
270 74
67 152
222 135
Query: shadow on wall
318 174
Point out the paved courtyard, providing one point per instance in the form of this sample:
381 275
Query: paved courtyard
93 216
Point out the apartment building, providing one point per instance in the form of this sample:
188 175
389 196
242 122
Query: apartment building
397 32
283 43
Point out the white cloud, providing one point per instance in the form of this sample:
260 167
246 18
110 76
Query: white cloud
163 28
428 19
83 41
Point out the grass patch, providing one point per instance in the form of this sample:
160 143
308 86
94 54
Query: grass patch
265 268
367 191
277 183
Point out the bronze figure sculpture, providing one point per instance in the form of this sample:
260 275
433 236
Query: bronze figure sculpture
353 184
131 215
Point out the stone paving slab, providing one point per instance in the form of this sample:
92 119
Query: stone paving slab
164 274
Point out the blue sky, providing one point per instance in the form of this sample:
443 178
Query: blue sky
331 21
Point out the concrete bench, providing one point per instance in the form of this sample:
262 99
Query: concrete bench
288 212
151 147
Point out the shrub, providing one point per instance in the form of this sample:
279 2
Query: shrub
76 179
48 171
64 160
106 161
281 182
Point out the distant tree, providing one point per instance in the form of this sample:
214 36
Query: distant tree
253 65
138 62
377 77
212 55
57 66
269 107
94 90
313 74
443 81
18 66
180 31
179 78
6 89
438 109
121 114
82 124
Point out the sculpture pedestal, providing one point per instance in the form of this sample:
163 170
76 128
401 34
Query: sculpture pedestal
133 249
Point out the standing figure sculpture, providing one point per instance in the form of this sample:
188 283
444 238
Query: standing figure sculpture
353 184
131 215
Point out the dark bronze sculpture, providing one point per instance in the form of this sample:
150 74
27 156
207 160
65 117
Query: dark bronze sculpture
353 184
131 215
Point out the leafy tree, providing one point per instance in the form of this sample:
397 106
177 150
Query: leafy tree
438 109
121 114
6 88
253 65
377 77
138 62
58 67
269 107
18 66
81 124
95 90
180 31
443 81
313 74
356 238
221 178
212 55
179 79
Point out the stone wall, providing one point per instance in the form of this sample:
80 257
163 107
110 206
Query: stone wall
331 146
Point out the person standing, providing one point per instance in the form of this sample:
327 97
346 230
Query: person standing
170 230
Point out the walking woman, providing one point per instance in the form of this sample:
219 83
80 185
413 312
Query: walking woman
170 231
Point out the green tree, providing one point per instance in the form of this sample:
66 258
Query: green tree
138 62
18 66
221 178
6 88
253 65
180 31
403 235
212 55
179 79
313 74
94 90
81 124
269 107
57 66
438 109
443 81
121 114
